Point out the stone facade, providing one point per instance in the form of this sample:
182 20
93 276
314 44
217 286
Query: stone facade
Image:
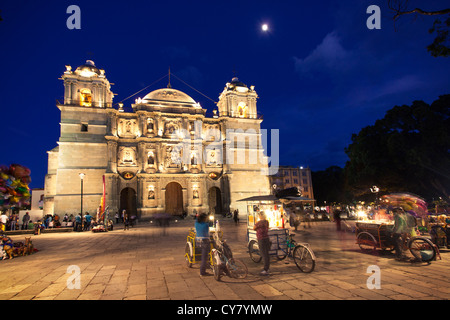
164 156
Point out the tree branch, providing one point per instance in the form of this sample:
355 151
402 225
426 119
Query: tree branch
420 11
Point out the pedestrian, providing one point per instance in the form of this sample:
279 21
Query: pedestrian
202 237
236 216
13 221
117 217
126 220
88 219
399 232
25 221
262 235
77 226
337 219
3 221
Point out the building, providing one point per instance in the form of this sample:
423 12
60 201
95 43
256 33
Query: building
288 177
166 155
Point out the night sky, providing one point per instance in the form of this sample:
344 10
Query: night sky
320 73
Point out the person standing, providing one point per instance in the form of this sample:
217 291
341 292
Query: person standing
25 221
337 219
202 237
126 220
3 220
399 232
236 216
262 235
88 220
13 221
77 226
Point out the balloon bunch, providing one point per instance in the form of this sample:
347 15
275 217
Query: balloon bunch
14 190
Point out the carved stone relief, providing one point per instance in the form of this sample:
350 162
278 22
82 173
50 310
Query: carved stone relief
127 156
127 128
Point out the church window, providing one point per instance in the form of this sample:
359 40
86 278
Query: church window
85 98
84 127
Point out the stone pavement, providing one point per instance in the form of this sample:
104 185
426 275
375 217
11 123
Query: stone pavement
147 263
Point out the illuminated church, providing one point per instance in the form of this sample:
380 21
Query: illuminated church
165 156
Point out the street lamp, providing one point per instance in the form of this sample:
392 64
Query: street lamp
81 213
375 190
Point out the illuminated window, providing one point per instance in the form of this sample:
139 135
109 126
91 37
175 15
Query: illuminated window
242 110
85 98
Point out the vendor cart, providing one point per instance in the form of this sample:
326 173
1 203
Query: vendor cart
372 235
282 243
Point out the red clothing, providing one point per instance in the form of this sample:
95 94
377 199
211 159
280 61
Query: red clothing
262 229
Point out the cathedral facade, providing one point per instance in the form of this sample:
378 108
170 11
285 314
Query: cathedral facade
165 156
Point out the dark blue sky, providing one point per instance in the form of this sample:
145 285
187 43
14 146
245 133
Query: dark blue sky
321 75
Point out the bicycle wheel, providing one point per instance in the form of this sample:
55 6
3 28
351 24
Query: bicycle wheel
253 250
422 249
304 258
366 242
188 254
237 269
217 273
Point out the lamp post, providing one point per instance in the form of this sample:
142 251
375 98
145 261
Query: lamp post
81 213
375 190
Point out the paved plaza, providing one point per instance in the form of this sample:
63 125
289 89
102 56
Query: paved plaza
147 262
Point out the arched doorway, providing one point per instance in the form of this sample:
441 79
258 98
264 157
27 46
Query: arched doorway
215 200
128 201
174 198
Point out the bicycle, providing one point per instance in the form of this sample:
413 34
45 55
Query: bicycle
224 263
303 256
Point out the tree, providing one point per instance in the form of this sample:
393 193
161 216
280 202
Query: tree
407 150
441 44
330 185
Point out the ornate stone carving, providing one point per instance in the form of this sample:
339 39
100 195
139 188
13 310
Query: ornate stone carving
127 128
127 156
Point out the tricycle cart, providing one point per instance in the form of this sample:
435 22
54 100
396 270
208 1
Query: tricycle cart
373 235
192 253
282 243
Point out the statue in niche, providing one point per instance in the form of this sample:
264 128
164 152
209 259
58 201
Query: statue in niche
195 194
151 194
173 157
128 127
150 125
151 158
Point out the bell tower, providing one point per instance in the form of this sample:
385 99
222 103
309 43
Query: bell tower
87 86
237 100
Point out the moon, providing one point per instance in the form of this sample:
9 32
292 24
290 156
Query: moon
265 27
